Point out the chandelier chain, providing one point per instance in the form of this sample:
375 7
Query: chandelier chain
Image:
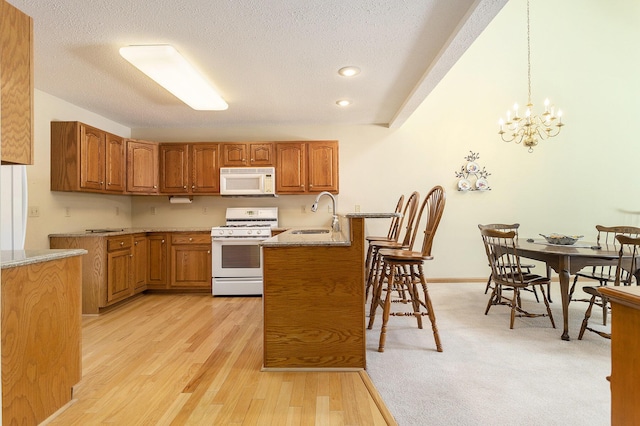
528 53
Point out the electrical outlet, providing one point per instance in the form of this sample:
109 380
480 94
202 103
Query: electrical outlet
303 209
67 212
357 208
34 211
204 210
153 210
329 208
117 211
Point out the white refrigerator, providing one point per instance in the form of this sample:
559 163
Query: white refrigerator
13 207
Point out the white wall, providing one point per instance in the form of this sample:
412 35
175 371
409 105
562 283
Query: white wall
584 59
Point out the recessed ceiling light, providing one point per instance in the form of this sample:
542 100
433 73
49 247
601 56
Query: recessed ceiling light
349 71
343 102
171 70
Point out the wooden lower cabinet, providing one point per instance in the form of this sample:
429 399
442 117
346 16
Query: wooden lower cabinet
191 261
157 261
140 260
118 267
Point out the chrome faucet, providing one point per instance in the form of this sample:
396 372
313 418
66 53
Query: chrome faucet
335 225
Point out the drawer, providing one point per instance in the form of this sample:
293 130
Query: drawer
191 238
119 243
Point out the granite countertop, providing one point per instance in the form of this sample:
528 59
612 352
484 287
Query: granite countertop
13 258
104 232
372 215
291 238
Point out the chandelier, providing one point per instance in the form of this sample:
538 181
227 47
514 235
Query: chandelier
530 128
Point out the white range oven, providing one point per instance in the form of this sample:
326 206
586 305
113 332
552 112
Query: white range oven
236 254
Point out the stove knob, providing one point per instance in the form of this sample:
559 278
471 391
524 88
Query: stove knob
230 232
221 232
258 231
249 232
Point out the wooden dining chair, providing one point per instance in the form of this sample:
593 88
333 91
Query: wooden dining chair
627 271
401 269
500 247
604 274
408 216
525 266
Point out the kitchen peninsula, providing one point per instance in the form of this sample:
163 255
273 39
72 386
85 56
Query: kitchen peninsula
314 297
41 332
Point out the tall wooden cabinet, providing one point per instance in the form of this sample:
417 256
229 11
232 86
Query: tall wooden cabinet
307 167
87 159
16 85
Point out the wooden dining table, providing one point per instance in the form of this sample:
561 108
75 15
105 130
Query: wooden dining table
566 261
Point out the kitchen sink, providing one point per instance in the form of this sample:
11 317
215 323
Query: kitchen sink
310 231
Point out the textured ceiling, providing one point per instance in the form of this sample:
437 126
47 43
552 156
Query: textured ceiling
274 62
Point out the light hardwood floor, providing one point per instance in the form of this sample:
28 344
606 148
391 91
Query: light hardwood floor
194 359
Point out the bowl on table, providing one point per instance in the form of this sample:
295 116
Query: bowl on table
560 239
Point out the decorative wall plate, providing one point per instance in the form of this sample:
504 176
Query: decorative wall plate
472 167
482 184
464 185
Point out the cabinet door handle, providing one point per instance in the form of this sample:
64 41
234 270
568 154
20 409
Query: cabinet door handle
190 239
208 251
135 243
162 241
109 183
193 187
184 187
121 243
101 182
155 186
130 255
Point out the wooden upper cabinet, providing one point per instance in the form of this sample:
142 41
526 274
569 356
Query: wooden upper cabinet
307 167
189 168
174 168
205 170
248 154
115 175
261 154
92 157
142 167
16 85
291 170
323 166
86 159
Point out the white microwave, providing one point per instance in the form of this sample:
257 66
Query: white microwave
248 181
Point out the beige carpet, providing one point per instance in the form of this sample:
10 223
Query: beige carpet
489 374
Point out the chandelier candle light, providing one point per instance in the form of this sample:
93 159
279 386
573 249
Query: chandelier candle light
528 129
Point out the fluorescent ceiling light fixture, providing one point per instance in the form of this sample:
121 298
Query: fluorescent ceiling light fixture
343 102
349 71
163 64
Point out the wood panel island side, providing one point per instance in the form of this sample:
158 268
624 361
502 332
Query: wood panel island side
41 332
314 298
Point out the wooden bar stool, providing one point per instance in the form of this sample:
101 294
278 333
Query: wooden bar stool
392 235
403 269
408 218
